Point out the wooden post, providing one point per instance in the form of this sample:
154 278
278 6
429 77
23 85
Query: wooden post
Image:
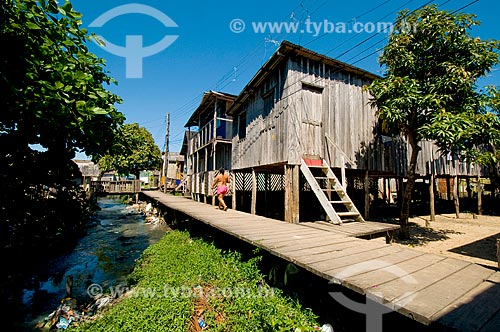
210 191
498 252
479 196
400 190
431 200
389 191
292 193
165 156
455 196
342 173
328 193
448 186
253 209
266 189
233 184
384 186
367 196
196 182
205 176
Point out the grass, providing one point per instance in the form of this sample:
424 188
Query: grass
180 279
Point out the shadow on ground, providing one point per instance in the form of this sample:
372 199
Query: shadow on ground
422 235
419 235
483 248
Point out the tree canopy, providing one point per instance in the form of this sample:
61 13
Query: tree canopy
54 103
134 150
52 86
429 90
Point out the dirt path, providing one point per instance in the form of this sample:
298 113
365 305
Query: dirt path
465 238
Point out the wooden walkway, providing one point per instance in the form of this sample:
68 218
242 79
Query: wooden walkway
431 289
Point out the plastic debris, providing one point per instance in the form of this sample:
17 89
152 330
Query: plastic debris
64 323
324 328
202 323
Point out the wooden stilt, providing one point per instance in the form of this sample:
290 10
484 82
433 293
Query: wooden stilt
253 208
431 200
498 252
292 193
448 188
233 185
479 196
455 196
400 189
266 190
367 196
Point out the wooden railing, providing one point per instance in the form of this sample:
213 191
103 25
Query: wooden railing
209 132
117 187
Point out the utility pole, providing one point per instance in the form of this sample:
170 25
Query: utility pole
165 156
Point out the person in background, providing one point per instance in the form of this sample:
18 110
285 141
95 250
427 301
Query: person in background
221 181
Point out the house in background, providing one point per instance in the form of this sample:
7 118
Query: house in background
175 169
90 172
307 145
207 147
186 182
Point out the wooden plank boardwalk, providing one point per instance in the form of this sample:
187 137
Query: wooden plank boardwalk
431 289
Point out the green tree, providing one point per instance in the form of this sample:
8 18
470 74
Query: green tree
477 137
134 150
54 102
432 64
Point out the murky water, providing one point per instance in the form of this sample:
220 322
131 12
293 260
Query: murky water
104 257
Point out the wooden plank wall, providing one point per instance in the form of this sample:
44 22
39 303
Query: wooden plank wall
266 134
431 160
299 123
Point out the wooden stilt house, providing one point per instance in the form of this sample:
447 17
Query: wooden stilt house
208 145
307 146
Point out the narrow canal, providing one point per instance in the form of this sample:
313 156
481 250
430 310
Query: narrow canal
104 256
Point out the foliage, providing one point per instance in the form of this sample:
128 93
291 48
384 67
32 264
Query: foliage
170 278
474 136
52 86
133 150
54 104
429 90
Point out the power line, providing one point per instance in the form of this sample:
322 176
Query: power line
353 19
380 49
320 78
378 32
469 4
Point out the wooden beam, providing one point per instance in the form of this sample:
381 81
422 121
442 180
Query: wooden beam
448 186
233 185
431 200
455 197
367 196
479 196
292 193
253 208
498 252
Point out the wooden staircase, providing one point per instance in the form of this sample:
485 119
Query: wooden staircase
329 191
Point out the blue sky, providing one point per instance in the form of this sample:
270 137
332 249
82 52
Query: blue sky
209 49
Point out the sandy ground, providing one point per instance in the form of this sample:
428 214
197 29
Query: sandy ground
465 238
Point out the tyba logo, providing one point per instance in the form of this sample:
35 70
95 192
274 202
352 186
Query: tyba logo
134 51
374 308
